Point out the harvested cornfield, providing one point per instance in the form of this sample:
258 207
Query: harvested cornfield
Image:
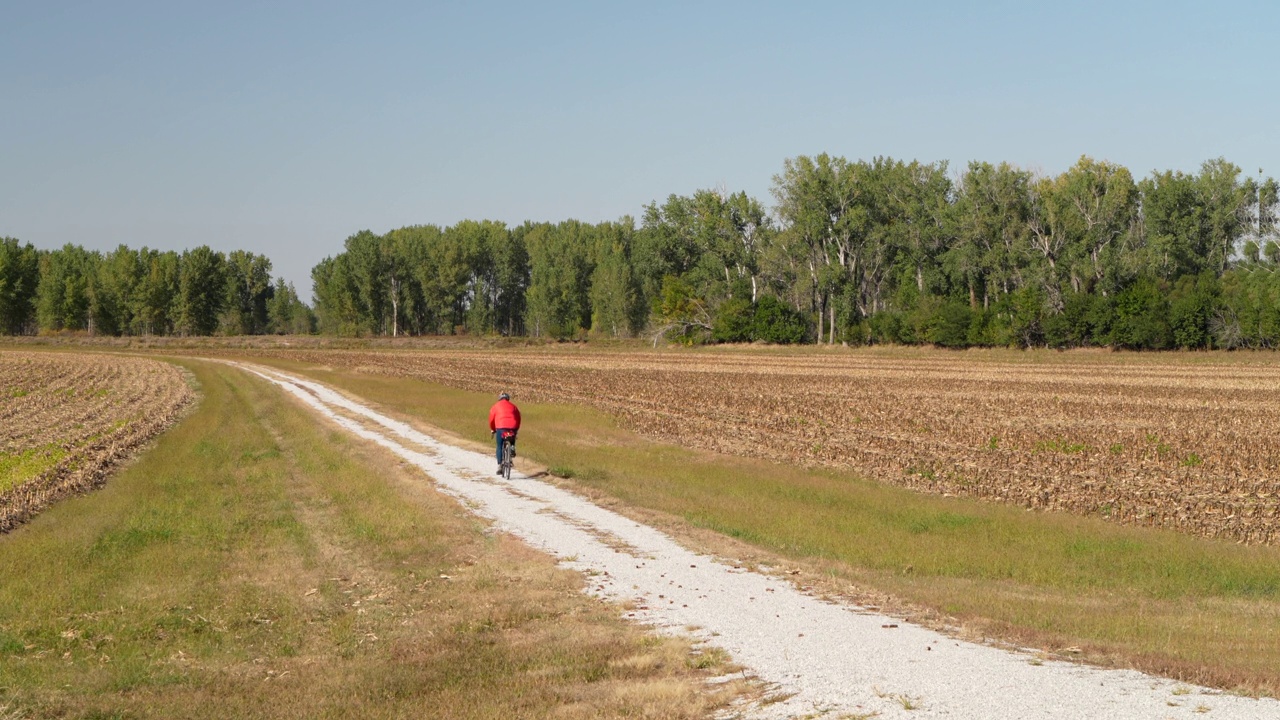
1189 442
65 419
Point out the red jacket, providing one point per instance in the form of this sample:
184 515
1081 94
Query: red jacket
504 415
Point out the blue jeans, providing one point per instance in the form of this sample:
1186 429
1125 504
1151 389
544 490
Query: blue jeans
498 436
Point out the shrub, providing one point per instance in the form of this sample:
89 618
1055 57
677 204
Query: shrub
774 322
950 325
1191 306
886 327
1141 318
1027 315
733 322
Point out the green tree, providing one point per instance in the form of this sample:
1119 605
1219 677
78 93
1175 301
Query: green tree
993 235
201 295
435 278
560 269
63 301
1227 201
19 279
919 197
824 205
155 295
443 274
495 262
336 297
1172 216
712 240
1088 212
248 292
112 291
286 314
616 310
680 314
368 276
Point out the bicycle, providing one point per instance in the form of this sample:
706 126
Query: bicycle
508 453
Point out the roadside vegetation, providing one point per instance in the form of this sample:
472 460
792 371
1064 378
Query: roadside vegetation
1190 608
255 564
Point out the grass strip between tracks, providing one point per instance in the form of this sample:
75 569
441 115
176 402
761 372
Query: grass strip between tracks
256 564
1183 607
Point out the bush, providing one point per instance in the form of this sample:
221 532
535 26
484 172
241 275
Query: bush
991 328
919 317
1073 327
885 327
950 324
774 322
1026 306
1141 318
733 321
1191 307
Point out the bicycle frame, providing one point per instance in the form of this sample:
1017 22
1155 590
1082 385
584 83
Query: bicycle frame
508 451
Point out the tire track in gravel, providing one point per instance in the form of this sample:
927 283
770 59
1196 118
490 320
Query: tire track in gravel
822 659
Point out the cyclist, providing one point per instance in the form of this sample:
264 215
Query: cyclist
504 418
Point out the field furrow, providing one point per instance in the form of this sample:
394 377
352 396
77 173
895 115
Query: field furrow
65 419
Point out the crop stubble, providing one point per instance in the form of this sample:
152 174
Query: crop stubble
70 417
1162 442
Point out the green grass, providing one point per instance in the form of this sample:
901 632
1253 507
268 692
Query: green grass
255 564
1165 602
18 467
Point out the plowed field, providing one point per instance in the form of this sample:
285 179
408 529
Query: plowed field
1179 441
66 418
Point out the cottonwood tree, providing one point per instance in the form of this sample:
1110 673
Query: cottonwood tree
63 301
558 303
1096 209
248 291
992 241
616 308
19 278
202 283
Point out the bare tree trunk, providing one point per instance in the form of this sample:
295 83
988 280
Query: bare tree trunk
822 320
832 339
395 306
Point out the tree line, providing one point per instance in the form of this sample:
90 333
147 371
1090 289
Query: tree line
852 252
144 292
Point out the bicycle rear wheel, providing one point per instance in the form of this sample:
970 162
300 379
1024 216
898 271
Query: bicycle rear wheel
506 459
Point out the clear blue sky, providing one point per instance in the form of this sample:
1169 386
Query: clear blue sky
284 127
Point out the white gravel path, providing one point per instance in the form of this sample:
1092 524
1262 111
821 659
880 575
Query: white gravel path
832 660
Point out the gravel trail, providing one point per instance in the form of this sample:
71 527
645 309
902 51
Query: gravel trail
825 659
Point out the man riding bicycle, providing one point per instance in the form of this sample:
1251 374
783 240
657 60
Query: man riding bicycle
504 421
